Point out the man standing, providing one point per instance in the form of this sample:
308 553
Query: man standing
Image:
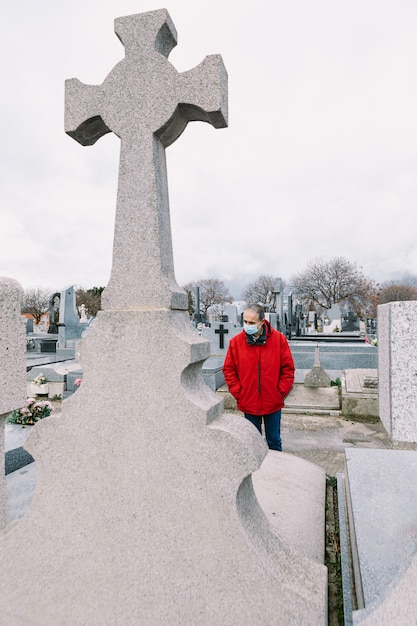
259 371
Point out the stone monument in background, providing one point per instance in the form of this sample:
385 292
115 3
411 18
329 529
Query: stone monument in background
70 326
144 511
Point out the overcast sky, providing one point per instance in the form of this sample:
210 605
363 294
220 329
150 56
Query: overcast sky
319 159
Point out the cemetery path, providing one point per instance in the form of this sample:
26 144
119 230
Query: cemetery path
322 439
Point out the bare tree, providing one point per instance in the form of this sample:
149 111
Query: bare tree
36 302
261 291
213 292
397 291
334 281
91 298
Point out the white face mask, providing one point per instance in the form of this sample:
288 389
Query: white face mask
250 329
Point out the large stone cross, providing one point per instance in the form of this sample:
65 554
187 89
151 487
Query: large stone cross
147 104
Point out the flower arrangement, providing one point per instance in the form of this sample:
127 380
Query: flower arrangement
39 380
78 381
31 413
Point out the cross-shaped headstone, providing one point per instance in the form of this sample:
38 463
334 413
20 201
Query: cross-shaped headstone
222 331
147 104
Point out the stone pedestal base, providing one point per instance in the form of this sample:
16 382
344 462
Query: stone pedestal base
156 523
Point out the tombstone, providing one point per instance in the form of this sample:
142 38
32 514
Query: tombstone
279 304
221 331
12 365
380 486
350 322
219 334
231 312
317 377
379 494
273 319
70 327
312 322
334 320
289 318
299 320
397 369
54 307
29 325
145 511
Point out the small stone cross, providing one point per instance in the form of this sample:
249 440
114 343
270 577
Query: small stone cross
222 331
147 104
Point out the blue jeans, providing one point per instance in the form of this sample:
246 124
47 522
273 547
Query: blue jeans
272 424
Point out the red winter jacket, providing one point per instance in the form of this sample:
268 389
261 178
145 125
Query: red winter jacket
260 375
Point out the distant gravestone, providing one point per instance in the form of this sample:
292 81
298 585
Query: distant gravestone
317 377
232 314
279 305
54 306
350 322
145 511
221 331
334 319
70 327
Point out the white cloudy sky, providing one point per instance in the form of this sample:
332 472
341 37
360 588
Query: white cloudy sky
320 157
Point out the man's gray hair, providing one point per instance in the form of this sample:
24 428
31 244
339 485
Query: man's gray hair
258 309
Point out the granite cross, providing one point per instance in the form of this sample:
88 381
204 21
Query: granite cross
222 331
147 104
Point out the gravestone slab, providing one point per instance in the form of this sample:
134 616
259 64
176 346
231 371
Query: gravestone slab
232 313
106 552
397 369
12 364
219 334
12 347
54 306
359 393
70 327
382 498
213 372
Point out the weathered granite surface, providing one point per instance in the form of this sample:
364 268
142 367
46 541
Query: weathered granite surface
12 364
397 369
12 347
155 523
382 492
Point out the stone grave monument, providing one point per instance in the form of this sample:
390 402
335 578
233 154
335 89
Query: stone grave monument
12 364
70 327
317 376
145 511
219 335
333 320
378 490
54 306
397 369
